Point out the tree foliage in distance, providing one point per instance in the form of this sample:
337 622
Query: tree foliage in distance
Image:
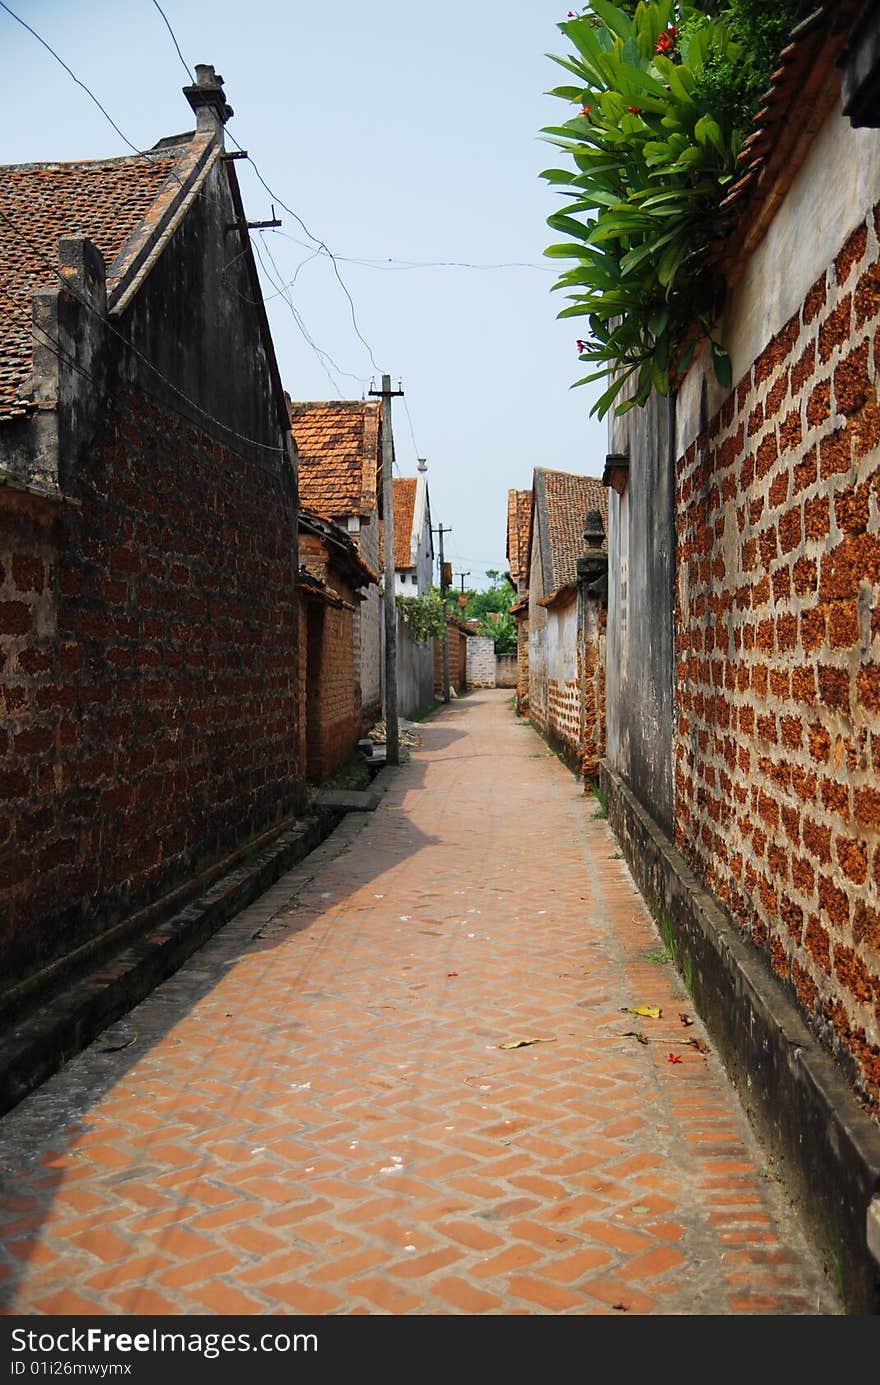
491 610
663 94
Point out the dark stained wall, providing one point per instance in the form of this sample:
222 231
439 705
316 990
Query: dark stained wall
640 632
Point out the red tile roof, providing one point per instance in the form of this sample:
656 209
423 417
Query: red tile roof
338 442
562 500
403 490
519 515
106 200
803 91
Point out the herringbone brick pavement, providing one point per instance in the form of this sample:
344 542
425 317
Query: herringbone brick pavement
321 1113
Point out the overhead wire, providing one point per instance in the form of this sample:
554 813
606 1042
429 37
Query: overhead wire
359 378
186 65
298 320
322 248
316 240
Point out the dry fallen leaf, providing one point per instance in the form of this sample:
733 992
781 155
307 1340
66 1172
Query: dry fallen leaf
699 1044
651 1012
113 1041
686 1019
631 1034
524 1043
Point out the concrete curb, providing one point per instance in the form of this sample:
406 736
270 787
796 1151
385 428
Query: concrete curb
826 1147
64 1020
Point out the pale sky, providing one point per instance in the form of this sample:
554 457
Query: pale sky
407 139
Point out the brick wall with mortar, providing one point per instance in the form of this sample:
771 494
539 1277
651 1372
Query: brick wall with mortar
777 746
149 636
330 696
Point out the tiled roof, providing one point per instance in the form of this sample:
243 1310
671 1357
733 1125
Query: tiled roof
338 442
403 490
342 552
803 90
404 493
519 514
562 500
106 200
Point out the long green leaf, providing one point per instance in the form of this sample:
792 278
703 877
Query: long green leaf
614 19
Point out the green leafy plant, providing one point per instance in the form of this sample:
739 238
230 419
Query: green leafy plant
423 616
653 159
500 626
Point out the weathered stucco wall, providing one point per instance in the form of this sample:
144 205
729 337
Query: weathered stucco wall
640 654
537 653
415 672
368 629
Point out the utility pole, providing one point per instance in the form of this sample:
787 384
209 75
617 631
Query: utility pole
463 575
441 531
392 734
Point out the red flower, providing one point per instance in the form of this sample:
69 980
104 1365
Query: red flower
673 1058
672 31
585 110
635 110
581 345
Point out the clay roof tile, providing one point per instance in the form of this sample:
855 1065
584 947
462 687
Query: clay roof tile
106 200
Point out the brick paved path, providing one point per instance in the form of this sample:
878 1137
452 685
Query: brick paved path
318 1115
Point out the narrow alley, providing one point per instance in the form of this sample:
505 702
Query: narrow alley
411 1079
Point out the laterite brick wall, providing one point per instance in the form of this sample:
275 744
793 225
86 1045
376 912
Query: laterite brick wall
591 680
148 640
777 748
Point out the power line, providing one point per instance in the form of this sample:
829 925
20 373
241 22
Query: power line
186 65
391 263
321 355
316 240
58 350
91 95
359 378
411 430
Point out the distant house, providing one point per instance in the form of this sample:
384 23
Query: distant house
339 445
148 539
333 581
519 518
413 542
561 501
413 566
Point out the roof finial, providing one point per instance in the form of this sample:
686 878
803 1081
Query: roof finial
208 100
